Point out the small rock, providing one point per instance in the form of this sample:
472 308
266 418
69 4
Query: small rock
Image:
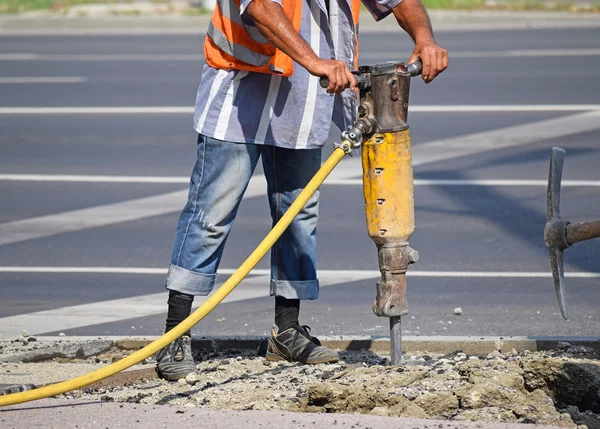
379 411
458 311
495 354
189 405
62 334
410 394
563 345
24 333
414 411
182 382
192 378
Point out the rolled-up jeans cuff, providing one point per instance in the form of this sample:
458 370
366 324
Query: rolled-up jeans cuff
307 289
190 282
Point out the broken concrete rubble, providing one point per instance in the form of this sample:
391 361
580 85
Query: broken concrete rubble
69 350
514 387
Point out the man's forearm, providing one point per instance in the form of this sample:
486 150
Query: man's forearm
274 25
413 18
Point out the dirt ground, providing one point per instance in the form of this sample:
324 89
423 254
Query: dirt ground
559 387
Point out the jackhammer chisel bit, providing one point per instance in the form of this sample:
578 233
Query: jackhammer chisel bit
559 234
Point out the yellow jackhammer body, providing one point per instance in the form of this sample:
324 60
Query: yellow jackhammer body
389 208
382 131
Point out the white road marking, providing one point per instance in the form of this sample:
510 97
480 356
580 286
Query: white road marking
476 182
515 53
436 151
74 178
108 214
329 275
144 110
84 270
139 306
100 57
255 286
41 79
367 55
502 138
484 108
95 110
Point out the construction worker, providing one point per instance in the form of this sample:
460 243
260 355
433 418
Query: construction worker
259 97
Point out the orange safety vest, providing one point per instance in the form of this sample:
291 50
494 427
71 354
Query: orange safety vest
230 44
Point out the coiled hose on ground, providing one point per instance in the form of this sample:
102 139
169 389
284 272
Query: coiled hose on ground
196 316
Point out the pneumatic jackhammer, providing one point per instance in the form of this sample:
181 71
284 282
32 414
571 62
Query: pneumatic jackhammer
382 132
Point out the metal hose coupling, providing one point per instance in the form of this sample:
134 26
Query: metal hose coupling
355 134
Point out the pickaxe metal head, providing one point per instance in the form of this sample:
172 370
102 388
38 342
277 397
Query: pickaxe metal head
555 235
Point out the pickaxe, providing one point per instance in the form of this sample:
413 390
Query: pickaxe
560 234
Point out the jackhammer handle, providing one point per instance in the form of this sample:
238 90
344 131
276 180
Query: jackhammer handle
415 69
361 81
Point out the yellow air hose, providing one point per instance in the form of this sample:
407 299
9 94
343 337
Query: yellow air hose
196 316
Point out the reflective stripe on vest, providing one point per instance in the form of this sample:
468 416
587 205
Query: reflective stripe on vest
240 52
231 44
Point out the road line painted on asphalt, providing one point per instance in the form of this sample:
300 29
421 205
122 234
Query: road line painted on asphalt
84 270
108 214
347 275
477 182
254 286
64 318
74 178
100 57
474 108
502 138
133 57
92 217
145 110
139 110
41 79
518 53
471 144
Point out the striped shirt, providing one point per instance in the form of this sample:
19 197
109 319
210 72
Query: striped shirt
290 112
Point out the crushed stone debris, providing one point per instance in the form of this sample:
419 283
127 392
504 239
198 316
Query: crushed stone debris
559 387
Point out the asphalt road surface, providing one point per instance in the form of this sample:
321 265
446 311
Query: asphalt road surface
84 250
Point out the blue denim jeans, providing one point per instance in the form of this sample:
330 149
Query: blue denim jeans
219 180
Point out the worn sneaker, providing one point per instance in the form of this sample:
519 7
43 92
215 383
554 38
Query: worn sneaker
297 345
176 361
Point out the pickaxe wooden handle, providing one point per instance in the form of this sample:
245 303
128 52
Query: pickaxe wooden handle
560 234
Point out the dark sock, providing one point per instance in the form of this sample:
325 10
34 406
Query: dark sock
286 312
180 307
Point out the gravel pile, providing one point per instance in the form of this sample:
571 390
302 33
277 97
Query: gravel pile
559 388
